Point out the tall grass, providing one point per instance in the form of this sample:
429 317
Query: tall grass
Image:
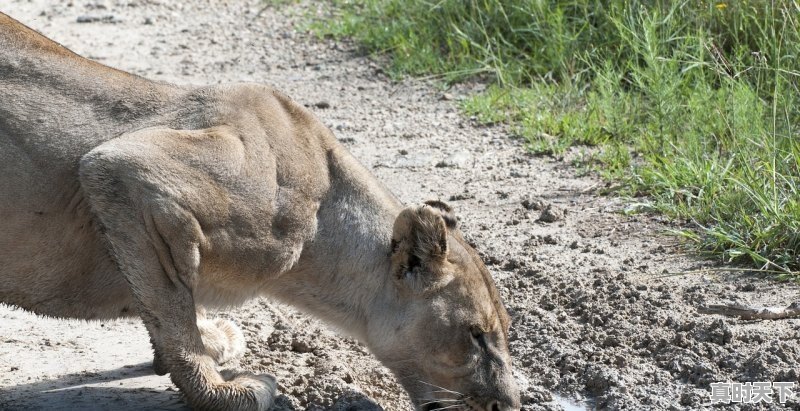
692 105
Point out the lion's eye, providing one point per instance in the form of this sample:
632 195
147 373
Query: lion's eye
478 336
475 331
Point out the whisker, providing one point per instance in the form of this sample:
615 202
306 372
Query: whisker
441 388
440 400
446 391
448 407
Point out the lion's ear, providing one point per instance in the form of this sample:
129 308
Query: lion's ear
419 240
448 215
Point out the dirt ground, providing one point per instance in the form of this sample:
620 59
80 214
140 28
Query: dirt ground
604 305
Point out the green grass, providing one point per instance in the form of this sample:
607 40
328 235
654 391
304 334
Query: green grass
691 105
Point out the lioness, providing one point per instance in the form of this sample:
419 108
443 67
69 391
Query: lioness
121 197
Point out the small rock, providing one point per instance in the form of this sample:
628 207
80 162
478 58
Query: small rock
513 265
87 19
461 196
94 19
447 97
549 239
322 104
532 204
301 346
551 214
352 401
148 21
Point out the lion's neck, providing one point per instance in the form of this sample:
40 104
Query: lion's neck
343 274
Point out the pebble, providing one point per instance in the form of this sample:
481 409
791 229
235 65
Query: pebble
551 214
95 19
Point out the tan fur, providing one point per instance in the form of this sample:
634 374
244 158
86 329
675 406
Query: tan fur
124 197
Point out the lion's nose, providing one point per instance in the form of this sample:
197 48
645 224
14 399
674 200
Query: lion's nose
495 405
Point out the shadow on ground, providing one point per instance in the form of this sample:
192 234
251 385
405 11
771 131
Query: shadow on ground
92 391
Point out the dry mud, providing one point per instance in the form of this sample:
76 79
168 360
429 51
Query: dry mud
597 314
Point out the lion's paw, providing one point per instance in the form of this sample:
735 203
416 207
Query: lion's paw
222 339
261 389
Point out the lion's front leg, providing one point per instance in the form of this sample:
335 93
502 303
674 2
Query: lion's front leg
155 241
222 339
191 357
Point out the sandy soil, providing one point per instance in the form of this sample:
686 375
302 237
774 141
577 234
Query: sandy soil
598 315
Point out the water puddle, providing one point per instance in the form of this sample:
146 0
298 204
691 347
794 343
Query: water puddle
570 404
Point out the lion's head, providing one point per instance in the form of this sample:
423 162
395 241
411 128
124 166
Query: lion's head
448 344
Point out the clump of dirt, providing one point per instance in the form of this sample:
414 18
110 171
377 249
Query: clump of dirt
598 313
551 214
